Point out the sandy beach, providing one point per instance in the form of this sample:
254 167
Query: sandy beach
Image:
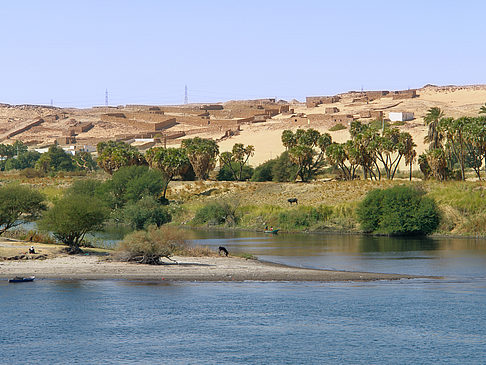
90 267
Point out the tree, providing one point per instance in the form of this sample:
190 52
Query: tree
432 118
55 159
132 183
226 172
391 147
424 166
84 161
475 137
19 204
8 151
482 110
114 155
171 162
23 161
336 154
400 210
202 154
302 146
236 160
454 131
72 217
437 161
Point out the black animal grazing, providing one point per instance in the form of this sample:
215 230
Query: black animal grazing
223 250
292 200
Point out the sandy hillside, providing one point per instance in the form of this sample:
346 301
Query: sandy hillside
228 125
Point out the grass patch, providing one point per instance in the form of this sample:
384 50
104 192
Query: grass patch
337 127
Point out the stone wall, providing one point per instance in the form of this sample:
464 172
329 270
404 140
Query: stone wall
313 101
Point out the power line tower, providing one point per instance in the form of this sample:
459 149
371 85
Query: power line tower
106 97
186 99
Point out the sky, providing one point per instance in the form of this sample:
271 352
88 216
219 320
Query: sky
145 52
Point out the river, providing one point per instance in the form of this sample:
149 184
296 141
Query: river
386 322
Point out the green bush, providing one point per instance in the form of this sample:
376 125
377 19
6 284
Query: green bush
400 210
284 170
264 171
130 184
303 217
147 211
215 213
225 173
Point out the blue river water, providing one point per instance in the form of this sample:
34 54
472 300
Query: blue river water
416 321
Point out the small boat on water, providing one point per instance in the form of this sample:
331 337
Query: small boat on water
20 279
274 231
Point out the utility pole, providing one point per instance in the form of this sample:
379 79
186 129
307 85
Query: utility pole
52 102
106 97
186 99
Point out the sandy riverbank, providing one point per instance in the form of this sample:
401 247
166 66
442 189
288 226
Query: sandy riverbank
187 269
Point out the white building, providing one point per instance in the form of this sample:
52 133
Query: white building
400 116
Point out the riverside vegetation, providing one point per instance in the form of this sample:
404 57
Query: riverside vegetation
139 190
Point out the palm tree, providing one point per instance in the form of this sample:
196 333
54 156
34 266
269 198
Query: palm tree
432 120
482 110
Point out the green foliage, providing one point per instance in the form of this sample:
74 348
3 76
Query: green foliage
130 184
170 161
399 210
284 169
303 217
114 155
378 124
337 127
202 154
19 204
55 159
226 172
217 212
147 211
84 161
24 160
306 148
148 247
234 162
72 217
482 110
88 187
264 172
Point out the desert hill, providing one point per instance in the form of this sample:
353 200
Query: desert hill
257 122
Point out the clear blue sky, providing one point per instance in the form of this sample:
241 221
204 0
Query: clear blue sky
146 51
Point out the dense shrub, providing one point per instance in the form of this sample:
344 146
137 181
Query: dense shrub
264 172
225 173
130 184
400 210
284 170
214 213
147 211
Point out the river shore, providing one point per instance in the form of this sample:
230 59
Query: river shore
91 267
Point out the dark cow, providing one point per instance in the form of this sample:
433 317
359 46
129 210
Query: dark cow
292 200
223 250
